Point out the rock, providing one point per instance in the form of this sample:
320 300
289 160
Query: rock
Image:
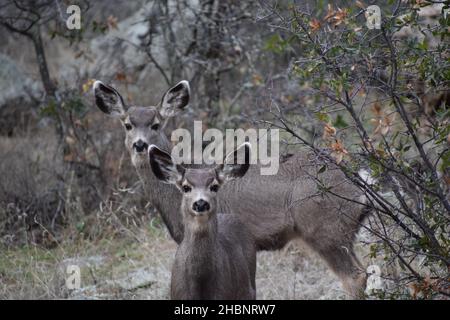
140 278
91 261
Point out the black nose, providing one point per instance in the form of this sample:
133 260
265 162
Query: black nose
140 146
200 206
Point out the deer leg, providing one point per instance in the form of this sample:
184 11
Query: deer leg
354 281
344 263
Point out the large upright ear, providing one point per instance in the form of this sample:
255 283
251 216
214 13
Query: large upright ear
163 167
235 164
175 99
108 99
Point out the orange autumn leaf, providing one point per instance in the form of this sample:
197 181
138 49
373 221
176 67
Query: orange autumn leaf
338 151
338 147
376 109
337 17
340 16
330 12
328 131
314 24
384 124
257 79
120 76
420 3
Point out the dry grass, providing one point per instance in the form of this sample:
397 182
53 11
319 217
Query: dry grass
137 266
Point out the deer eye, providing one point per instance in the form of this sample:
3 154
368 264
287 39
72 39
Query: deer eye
128 126
214 188
155 126
186 188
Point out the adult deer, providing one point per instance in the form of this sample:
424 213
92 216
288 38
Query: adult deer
217 256
275 208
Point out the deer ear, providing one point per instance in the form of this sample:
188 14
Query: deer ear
235 164
108 99
163 167
175 99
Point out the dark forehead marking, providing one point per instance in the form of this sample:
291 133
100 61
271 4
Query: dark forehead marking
142 115
200 177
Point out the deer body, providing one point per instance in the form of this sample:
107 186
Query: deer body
166 199
276 208
218 264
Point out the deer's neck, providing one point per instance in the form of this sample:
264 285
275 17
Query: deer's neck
199 246
201 232
166 199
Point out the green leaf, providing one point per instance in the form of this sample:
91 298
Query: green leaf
322 116
49 110
340 122
322 169
80 226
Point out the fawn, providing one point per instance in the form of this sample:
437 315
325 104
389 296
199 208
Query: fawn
217 257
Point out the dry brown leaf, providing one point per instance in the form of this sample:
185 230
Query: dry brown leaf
360 5
328 131
384 123
447 180
69 157
314 24
112 22
330 12
376 109
368 144
120 76
339 17
257 79
338 151
70 140
78 54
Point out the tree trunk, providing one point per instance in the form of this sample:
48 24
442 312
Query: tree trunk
42 63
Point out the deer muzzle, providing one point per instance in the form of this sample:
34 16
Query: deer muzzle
140 146
201 206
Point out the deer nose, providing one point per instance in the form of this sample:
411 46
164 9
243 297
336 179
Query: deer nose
200 206
140 146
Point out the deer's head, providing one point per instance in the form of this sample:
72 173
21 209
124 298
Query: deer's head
143 126
199 187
